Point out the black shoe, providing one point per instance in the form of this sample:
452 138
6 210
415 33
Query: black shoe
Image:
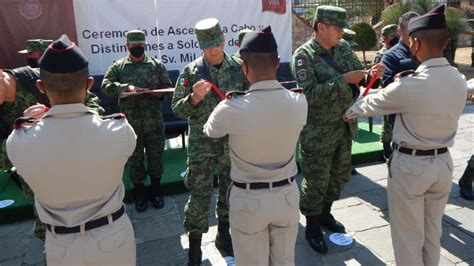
314 235
156 198
194 252
353 171
140 198
328 222
224 240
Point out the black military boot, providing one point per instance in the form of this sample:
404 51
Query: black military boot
223 239
387 150
328 221
140 197
194 253
465 184
156 197
314 235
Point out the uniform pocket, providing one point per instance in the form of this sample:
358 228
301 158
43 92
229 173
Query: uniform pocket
244 204
54 252
115 240
293 198
411 168
246 215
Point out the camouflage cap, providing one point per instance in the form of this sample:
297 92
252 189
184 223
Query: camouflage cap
34 45
135 36
332 15
208 33
349 37
242 34
390 30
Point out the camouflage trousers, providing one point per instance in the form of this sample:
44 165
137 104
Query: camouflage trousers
326 167
386 135
469 178
199 180
150 138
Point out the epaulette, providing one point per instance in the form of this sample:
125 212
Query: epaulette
114 116
21 121
297 90
232 94
404 73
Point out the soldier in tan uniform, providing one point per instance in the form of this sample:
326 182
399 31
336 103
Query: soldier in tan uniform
263 125
73 161
427 104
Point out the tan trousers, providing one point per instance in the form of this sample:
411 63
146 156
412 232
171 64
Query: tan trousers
418 190
112 244
264 225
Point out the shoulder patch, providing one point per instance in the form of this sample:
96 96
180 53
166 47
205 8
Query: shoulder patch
302 75
114 116
404 73
301 67
233 94
22 121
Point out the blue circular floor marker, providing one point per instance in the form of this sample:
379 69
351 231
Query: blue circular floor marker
341 239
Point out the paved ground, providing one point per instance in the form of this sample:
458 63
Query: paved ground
362 208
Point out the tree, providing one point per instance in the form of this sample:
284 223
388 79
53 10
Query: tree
365 37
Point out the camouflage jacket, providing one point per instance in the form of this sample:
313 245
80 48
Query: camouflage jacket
10 111
328 94
148 73
228 77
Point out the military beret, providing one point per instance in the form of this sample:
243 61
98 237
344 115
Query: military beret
259 41
434 19
349 37
63 56
34 45
332 15
135 36
390 30
208 33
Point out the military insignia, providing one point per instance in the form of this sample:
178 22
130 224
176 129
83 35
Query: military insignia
301 75
182 82
22 121
116 116
300 62
179 91
233 94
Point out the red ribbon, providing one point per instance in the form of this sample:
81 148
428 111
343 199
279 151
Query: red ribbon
371 82
216 90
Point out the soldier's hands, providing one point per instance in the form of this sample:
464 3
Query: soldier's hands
132 88
353 77
200 89
36 111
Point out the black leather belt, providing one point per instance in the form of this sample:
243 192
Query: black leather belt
419 152
263 185
89 225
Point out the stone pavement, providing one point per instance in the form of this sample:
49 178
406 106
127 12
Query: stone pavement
362 209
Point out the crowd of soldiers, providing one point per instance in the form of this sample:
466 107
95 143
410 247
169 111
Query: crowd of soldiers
243 127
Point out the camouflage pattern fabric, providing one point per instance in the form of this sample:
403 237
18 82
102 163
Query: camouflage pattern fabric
326 140
208 33
143 111
9 112
331 15
206 156
386 135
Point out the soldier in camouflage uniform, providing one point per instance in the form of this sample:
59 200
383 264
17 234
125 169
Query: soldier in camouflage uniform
139 72
327 69
194 100
388 39
18 92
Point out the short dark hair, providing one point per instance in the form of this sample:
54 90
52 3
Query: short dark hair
262 61
435 38
405 18
63 84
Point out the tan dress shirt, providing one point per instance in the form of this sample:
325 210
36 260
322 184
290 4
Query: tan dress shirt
73 161
427 105
263 127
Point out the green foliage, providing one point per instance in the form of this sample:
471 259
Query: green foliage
457 22
455 18
365 36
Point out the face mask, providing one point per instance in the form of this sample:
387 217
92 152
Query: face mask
137 51
393 41
32 62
